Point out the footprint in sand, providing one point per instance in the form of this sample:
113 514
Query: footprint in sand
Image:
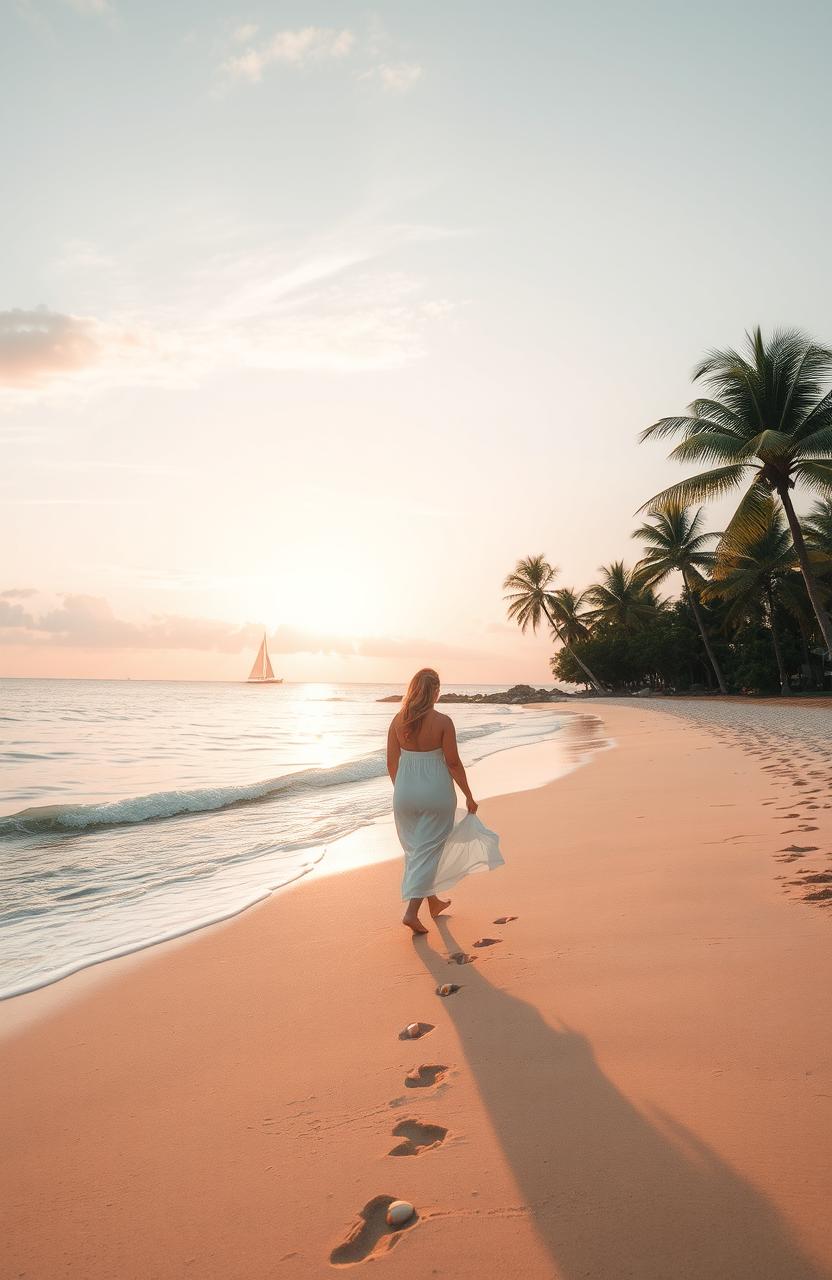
417 1137
819 895
426 1076
448 989
504 919
814 877
487 942
461 957
370 1236
799 848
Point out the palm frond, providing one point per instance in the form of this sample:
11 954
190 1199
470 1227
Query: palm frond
771 445
672 426
815 475
749 521
720 415
817 528
622 597
715 363
710 484
817 444
527 597
805 365
712 446
819 416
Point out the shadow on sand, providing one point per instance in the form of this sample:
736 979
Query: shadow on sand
612 1193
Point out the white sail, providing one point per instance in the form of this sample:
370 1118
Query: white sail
262 669
257 669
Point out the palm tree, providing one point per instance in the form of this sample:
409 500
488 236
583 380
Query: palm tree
530 599
621 597
769 421
753 574
676 544
817 528
572 617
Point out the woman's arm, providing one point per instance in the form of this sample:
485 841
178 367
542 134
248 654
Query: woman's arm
455 766
393 752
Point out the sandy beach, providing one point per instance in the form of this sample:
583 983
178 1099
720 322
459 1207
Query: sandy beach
634 1079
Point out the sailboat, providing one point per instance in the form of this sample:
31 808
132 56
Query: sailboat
261 672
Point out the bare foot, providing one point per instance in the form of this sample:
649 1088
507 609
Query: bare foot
413 922
437 905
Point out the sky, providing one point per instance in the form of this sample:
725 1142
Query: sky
314 318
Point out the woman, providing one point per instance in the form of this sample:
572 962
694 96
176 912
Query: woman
422 758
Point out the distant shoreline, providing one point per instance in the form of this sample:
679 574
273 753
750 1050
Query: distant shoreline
518 693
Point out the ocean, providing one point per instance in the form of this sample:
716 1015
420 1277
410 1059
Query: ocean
134 811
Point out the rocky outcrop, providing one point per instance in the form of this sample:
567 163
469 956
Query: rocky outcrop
517 693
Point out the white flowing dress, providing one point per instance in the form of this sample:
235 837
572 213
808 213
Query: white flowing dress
437 854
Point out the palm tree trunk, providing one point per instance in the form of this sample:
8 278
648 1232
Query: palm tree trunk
806 568
593 680
775 640
697 613
807 657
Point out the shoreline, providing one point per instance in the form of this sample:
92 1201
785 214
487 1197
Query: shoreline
501 772
634 1080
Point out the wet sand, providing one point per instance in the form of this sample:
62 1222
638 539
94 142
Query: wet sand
633 1080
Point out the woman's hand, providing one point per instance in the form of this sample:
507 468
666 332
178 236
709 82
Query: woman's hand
471 805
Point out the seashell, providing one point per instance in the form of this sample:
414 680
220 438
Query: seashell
447 989
399 1212
415 1030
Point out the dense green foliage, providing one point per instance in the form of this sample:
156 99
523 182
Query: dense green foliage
668 656
768 422
754 610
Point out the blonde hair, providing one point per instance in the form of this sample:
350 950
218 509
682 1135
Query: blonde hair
417 702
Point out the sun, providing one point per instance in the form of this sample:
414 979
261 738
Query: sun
335 604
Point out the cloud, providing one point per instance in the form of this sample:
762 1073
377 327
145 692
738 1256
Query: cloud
245 33
88 622
295 48
12 615
331 309
39 344
397 77
371 322
327 304
33 343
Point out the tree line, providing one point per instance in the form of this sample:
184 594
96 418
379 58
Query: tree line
753 614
